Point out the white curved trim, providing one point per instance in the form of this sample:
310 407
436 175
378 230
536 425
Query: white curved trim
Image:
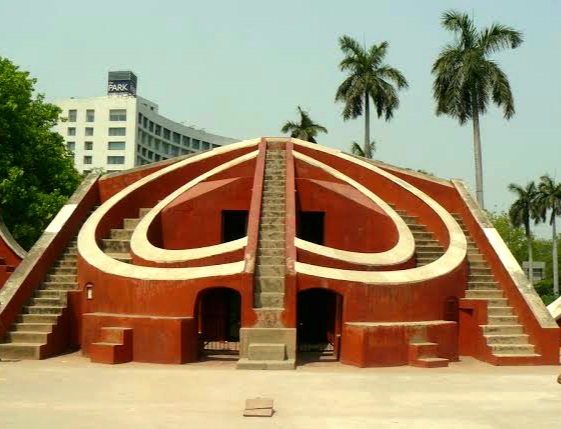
141 246
90 251
555 309
452 258
403 250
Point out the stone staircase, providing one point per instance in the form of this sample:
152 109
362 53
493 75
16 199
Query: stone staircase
504 334
118 245
265 345
424 354
427 248
32 336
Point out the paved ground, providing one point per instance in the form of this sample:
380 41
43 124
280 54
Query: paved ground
71 392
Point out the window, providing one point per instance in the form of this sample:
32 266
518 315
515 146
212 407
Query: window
116 145
196 144
118 131
71 131
115 160
156 144
71 146
89 131
72 115
117 115
167 134
185 141
206 145
90 115
88 145
151 126
140 118
158 130
176 138
174 151
145 122
87 159
214 146
166 148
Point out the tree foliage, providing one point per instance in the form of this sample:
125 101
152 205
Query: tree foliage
37 174
306 129
357 150
466 78
368 78
513 236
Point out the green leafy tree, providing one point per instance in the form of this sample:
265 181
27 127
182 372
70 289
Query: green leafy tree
467 80
513 236
549 199
522 212
357 150
36 171
368 78
306 129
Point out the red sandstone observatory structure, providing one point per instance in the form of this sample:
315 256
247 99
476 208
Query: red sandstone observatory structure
269 248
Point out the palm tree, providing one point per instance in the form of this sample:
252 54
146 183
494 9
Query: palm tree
522 211
549 198
306 129
467 80
369 78
357 150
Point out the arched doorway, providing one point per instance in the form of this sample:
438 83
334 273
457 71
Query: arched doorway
319 313
219 322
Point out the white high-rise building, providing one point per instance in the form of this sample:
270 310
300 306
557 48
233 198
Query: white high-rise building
121 130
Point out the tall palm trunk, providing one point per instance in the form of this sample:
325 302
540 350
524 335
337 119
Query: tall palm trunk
477 156
367 151
530 259
555 261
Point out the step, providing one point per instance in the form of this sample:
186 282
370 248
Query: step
121 234
270 270
274 218
116 246
269 300
417 228
59 285
32 327
481 277
42 310
278 225
271 244
65 264
502 329
502 320
431 362
271 235
423 236
18 351
143 212
67 270
38 318
64 278
271 260
269 284
482 285
484 294
27 337
267 351
476 271
275 365
47 302
500 311
512 349
493 339
51 293
123 257
270 251
130 223
429 248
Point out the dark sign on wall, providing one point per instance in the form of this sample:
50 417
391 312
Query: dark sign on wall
121 82
121 86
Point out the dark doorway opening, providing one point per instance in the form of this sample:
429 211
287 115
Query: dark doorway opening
234 224
219 321
319 324
311 226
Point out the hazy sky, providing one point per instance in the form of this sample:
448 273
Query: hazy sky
240 68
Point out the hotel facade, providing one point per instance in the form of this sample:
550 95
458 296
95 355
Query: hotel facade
121 130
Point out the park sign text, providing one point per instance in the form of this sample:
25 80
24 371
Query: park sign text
121 86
